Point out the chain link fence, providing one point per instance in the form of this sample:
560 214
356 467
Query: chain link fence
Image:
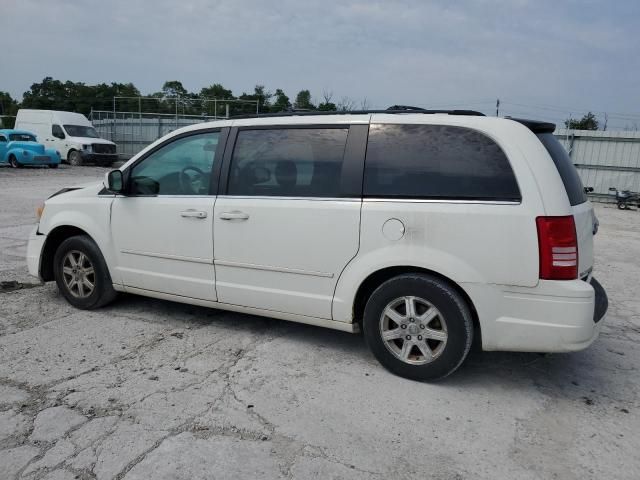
133 131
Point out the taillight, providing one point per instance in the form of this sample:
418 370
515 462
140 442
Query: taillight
558 248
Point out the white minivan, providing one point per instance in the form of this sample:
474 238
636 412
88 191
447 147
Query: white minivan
69 133
425 229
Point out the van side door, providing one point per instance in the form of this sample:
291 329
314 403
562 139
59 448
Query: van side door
287 220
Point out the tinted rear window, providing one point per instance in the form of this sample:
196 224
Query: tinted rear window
297 162
566 169
436 161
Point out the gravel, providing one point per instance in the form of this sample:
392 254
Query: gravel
151 389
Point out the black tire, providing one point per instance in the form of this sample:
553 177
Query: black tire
456 326
13 161
103 291
53 165
74 158
622 205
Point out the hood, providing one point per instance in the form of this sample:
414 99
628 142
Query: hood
90 140
85 189
31 146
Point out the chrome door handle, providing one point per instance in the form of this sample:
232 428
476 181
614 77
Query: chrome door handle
193 214
235 215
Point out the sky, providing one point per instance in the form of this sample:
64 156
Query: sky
543 59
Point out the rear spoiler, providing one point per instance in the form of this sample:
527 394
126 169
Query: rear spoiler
535 126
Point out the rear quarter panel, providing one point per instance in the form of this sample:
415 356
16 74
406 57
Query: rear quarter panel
466 241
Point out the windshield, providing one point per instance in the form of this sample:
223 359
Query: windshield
81 131
21 137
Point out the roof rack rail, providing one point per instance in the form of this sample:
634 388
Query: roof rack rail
395 109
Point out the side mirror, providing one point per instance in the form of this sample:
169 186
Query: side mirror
114 181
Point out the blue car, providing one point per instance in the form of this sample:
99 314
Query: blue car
19 148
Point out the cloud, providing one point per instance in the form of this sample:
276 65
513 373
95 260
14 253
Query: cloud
576 53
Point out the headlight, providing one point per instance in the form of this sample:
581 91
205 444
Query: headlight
86 147
40 211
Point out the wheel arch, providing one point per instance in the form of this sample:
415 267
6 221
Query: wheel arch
54 239
69 152
377 278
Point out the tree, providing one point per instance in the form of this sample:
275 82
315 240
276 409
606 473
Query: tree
174 88
70 96
327 105
345 104
281 101
588 122
259 95
303 101
216 90
8 109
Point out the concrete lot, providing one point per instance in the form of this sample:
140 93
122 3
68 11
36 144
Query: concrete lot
151 389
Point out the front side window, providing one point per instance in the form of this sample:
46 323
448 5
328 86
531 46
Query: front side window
438 162
182 167
81 131
56 131
288 162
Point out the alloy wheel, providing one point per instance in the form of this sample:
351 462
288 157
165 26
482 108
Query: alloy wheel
78 274
413 330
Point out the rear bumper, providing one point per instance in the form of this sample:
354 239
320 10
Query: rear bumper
554 316
34 252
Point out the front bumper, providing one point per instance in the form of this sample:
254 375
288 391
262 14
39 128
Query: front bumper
100 158
34 252
554 316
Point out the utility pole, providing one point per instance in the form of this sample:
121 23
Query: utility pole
497 107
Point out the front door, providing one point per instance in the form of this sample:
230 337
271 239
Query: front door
57 140
285 228
163 228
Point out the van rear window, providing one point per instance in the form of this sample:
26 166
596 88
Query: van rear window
436 162
566 169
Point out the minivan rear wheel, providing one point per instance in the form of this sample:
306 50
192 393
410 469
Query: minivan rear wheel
81 273
418 326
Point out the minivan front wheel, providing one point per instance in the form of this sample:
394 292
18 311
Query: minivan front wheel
418 327
81 273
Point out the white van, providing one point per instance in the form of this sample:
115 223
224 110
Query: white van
423 228
69 133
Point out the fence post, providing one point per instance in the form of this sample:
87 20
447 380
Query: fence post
113 122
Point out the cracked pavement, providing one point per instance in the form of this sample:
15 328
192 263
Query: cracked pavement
151 389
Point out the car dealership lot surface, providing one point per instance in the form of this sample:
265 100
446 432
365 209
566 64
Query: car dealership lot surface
151 389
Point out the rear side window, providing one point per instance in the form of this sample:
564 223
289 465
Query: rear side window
438 162
566 169
300 162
